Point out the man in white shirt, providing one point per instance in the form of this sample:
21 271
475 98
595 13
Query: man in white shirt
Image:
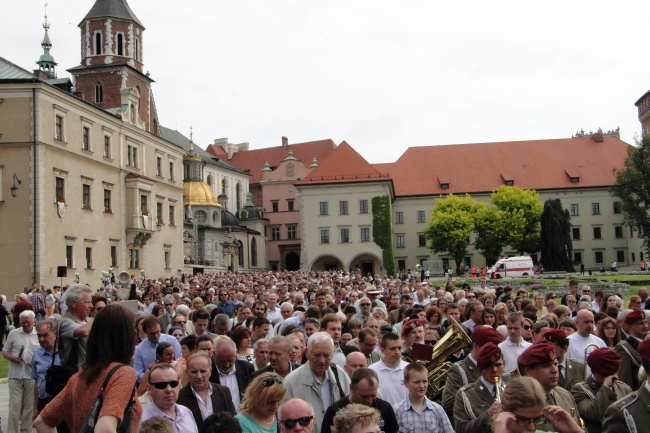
273 313
514 344
390 369
584 336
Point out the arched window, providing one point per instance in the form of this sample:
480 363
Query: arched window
209 181
223 186
238 195
133 113
120 44
253 252
98 43
99 93
137 49
241 254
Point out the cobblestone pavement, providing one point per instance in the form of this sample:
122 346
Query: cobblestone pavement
4 404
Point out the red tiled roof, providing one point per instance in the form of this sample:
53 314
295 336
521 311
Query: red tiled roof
254 160
343 165
483 167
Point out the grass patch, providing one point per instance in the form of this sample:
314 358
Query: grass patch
4 367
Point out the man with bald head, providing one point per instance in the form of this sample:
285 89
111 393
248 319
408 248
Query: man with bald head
355 361
579 340
296 415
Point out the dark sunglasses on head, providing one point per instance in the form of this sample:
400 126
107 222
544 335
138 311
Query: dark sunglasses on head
291 423
163 385
271 380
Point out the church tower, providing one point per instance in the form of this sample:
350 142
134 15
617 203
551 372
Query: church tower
46 62
111 72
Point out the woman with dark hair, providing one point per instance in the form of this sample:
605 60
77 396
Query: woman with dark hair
110 344
490 317
158 310
242 338
221 422
99 302
608 330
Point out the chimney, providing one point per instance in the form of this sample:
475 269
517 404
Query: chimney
285 142
79 94
598 137
41 75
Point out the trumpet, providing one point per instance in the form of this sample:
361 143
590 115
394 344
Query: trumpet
587 354
497 385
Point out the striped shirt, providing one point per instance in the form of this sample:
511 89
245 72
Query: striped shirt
433 418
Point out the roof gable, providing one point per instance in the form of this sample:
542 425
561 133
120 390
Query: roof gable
10 71
112 9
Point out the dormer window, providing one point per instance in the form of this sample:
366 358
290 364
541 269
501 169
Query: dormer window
574 176
444 181
510 183
444 186
508 179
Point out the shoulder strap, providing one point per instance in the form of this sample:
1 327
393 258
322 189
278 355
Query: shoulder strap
109 375
336 376
624 345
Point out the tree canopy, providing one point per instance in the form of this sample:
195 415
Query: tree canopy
522 204
557 246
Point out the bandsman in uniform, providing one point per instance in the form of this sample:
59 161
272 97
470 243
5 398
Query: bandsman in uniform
571 371
628 372
601 389
465 371
475 403
539 361
631 414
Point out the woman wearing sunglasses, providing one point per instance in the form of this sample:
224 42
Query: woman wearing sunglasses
258 409
524 409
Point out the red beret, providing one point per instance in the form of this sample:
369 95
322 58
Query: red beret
411 325
488 355
539 353
482 335
554 335
644 350
604 361
633 316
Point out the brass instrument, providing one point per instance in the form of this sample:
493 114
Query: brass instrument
454 340
123 277
586 354
497 385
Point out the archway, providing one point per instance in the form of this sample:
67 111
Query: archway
326 263
292 262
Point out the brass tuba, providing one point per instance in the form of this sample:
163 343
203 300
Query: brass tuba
454 340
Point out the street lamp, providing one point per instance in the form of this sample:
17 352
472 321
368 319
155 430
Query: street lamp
76 277
143 275
14 189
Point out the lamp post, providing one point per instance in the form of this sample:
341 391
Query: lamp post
14 189
76 277
143 275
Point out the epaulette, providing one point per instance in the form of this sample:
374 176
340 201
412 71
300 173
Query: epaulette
627 400
465 387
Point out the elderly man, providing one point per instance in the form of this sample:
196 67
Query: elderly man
44 357
364 385
200 396
75 326
600 390
630 414
355 361
261 353
571 371
627 349
229 371
163 388
18 350
279 349
145 352
296 415
365 309
318 381
273 313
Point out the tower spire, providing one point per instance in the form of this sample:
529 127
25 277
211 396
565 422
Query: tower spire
46 62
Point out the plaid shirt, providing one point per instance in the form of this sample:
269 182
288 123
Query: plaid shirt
433 418
38 301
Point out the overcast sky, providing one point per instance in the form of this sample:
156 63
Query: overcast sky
381 75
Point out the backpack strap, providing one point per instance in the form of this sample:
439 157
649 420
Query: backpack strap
336 376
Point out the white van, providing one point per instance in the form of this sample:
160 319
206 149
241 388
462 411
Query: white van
512 267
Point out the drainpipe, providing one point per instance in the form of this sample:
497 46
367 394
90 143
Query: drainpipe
35 172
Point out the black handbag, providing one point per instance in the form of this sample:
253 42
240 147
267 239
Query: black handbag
127 418
57 376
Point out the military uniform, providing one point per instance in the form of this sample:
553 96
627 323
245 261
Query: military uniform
471 404
630 414
630 361
575 372
562 398
460 374
593 399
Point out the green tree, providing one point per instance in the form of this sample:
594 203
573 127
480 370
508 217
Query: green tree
450 225
382 232
495 229
632 187
520 203
556 244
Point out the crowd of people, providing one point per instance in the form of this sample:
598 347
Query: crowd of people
326 352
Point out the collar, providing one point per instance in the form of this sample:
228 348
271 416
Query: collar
227 373
488 385
428 404
471 358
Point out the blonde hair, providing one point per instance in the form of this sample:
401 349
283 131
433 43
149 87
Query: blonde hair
354 414
157 424
522 392
258 394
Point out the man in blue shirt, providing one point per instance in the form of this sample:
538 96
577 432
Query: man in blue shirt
225 304
145 352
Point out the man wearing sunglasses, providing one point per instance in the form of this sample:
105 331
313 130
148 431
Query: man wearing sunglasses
296 415
163 388
571 371
170 310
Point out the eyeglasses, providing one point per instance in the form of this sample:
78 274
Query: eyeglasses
365 305
527 327
163 385
269 381
179 322
430 342
471 296
291 423
169 305
524 421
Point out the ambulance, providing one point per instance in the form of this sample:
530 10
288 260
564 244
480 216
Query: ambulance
512 267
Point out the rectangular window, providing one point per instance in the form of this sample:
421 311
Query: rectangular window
345 235
58 128
399 241
595 208
159 212
69 258
598 256
575 210
401 264
365 234
135 156
597 233
107 201
59 189
89 258
167 260
134 259
144 209
577 257
422 241
275 233
421 218
291 232
171 170
617 207
323 208
290 205
172 217
618 232
85 196
620 256
85 138
575 233
324 236
363 206
129 156
399 217
159 166
274 206
633 258
113 256
343 207
107 147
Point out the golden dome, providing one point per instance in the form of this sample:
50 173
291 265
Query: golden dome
198 193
